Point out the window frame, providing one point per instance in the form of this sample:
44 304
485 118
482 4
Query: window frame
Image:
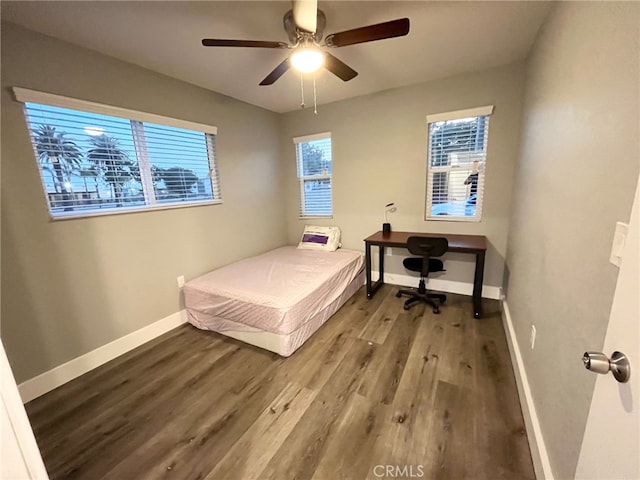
298 141
484 111
137 120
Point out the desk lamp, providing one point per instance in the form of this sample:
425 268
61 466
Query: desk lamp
388 208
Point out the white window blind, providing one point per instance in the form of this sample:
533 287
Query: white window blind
313 157
457 156
93 163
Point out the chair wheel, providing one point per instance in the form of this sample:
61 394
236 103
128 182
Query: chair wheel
436 311
407 307
398 294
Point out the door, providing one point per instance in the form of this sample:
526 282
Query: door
19 454
611 444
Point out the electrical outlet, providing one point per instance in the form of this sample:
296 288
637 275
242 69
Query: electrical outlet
533 336
180 280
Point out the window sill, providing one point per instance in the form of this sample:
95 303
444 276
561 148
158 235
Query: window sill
307 217
451 218
122 210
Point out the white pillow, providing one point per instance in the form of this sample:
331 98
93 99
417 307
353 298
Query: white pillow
320 238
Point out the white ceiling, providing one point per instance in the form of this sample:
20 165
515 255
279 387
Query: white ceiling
446 38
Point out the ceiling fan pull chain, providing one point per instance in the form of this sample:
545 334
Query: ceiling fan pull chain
315 97
301 91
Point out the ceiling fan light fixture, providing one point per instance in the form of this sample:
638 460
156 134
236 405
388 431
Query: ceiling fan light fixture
307 60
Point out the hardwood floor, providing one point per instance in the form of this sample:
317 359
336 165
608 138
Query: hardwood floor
377 392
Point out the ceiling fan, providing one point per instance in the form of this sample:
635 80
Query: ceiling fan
304 25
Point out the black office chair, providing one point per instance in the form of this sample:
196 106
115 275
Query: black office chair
426 247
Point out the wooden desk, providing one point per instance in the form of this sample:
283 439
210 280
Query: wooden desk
474 244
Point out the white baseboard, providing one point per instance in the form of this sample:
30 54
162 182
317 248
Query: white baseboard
448 286
541 463
47 381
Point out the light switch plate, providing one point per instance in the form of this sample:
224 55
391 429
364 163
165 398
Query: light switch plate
619 239
532 338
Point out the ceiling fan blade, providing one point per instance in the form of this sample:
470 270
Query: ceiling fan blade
338 67
379 31
305 14
217 42
276 73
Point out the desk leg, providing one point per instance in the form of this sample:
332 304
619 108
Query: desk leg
477 285
381 264
367 263
372 287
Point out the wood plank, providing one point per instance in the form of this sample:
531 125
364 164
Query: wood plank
458 353
503 448
302 451
382 378
381 322
356 432
450 443
404 436
252 452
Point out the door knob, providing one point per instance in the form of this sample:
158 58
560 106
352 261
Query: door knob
618 364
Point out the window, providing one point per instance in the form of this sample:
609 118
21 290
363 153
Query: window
95 159
313 156
456 162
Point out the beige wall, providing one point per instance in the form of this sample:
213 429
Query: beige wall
71 286
379 156
576 177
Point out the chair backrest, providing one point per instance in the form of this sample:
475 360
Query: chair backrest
427 246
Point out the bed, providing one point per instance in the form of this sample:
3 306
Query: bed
276 300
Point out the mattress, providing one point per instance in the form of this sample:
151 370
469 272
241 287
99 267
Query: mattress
286 293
